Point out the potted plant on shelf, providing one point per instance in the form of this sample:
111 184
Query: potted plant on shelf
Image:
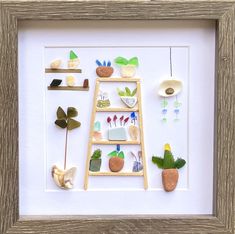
116 162
95 162
64 177
128 67
170 168
128 97
105 69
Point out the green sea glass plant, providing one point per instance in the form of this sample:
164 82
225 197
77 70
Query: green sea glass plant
127 92
121 61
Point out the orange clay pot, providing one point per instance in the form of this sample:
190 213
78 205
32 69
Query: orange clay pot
170 179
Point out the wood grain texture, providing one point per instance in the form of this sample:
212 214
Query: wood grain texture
222 11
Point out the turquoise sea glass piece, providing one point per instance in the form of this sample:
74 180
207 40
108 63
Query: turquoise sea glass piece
97 126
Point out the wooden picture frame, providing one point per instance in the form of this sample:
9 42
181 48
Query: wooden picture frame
13 11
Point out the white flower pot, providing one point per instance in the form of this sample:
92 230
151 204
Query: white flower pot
129 101
128 71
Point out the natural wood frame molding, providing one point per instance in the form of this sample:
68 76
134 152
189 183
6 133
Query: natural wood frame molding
222 11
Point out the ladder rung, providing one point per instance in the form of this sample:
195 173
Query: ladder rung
118 79
115 142
109 173
112 109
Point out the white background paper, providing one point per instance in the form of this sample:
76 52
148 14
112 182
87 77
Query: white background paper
42 144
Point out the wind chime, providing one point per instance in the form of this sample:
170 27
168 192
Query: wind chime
168 88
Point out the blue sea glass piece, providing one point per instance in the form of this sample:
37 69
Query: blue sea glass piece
104 63
177 111
98 63
164 111
137 167
109 64
118 148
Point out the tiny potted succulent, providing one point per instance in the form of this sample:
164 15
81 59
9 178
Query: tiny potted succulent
133 129
116 161
105 69
103 100
64 177
128 67
137 166
128 97
170 168
95 162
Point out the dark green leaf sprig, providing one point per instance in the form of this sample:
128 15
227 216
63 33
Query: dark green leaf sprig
66 120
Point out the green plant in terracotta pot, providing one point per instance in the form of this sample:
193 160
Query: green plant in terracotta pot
95 162
170 166
127 66
116 161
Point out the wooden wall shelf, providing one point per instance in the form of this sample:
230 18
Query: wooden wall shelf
105 142
116 109
109 173
67 88
49 70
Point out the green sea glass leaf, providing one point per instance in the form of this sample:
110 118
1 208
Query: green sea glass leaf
72 112
134 61
73 55
168 160
60 113
158 161
113 153
179 163
134 92
72 123
128 91
61 123
121 61
120 92
96 154
164 103
121 154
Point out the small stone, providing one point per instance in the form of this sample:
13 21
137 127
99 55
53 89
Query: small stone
70 81
170 179
55 83
116 164
86 83
56 64
103 71
169 91
117 134
129 101
133 132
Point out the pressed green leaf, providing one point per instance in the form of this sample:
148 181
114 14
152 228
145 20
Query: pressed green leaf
96 154
121 154
134 92
134 61
128 91
168 160
72 112
60 113
121 61
158 161
72 123
113 153
120 92
179 163
61 123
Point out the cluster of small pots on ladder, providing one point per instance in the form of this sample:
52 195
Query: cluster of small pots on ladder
170 166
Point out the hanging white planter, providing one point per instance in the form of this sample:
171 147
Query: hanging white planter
170 87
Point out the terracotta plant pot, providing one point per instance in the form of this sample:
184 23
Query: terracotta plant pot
116 164
128 71
170 179
104 71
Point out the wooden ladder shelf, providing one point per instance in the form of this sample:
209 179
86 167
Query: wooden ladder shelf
91 142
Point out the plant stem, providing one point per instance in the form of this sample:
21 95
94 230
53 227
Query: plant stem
65 151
